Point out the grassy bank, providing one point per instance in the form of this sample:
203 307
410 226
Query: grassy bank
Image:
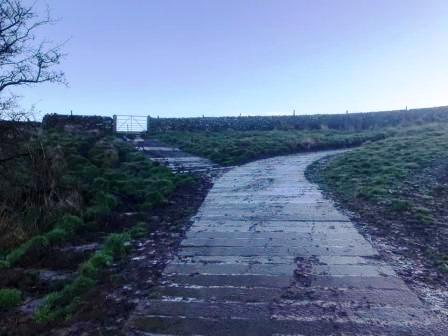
84 181
236 147
399 184
67 190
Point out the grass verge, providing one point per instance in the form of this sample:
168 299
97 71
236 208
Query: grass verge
399 185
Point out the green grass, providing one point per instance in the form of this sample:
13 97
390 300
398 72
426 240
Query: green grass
378 171
62 304
402 179
86 183
37 246
10 298
236 147
97 177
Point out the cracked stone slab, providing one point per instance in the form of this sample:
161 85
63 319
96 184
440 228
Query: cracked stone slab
267 254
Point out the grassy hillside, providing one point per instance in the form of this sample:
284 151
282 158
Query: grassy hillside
236 147
399 185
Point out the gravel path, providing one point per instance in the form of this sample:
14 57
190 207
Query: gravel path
269 255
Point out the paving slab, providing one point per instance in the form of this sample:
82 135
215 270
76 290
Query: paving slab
174 158
267 254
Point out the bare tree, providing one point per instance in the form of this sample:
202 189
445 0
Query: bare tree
25 60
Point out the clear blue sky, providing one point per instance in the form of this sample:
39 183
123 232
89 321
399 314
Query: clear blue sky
254 57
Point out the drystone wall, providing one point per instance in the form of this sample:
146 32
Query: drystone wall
78 123
347 121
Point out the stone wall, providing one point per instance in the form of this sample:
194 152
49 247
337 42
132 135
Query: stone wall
78 123
346 121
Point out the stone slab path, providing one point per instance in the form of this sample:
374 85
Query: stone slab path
176 159
269 255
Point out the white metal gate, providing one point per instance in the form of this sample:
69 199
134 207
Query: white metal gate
130 124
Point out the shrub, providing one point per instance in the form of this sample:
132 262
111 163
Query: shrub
69 223
116 244
154 198
104 154
89 172
110 158
105 200
57 236
101 183
101 260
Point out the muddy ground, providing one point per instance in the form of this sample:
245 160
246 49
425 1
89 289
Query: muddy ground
105 309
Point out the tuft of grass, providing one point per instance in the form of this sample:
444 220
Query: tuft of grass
138 231
10 298
400 206
62 304
38 246
33 248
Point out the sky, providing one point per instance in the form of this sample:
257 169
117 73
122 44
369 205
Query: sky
186 58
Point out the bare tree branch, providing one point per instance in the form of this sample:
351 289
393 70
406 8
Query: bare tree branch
22 60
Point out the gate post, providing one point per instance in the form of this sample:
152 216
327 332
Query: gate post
114 124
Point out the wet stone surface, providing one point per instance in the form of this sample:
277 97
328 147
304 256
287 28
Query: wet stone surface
267 254
176 159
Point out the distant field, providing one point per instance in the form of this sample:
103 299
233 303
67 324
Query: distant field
236 140
236 147
399 184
